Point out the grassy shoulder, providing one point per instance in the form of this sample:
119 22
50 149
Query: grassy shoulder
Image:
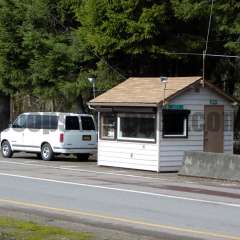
12 229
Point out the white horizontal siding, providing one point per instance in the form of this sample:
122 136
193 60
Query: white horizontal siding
128 165
136 155
128 155
128 145
172 150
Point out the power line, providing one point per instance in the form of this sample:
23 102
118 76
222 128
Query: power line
223 40
72 38
223 56
110 66
200 54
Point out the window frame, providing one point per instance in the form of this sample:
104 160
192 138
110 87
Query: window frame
186 124
101 126
129 139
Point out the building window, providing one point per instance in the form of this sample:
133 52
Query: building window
137 127
108 125
175 123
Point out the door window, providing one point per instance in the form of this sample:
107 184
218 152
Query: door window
20 122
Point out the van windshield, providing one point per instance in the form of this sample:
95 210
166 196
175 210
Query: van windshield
87 123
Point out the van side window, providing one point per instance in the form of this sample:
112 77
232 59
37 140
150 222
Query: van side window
41 122
33 121
49 122
37 122
30 121
87 123
72 123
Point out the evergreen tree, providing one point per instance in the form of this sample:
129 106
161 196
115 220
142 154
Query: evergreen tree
49 48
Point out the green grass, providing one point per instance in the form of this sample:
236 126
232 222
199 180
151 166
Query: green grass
12 229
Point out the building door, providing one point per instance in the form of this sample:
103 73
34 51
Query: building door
213 128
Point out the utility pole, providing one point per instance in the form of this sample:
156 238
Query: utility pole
207 40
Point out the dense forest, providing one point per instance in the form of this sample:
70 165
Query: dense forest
49 48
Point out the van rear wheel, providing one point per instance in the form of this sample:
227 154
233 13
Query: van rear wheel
83 156
47 152
6 150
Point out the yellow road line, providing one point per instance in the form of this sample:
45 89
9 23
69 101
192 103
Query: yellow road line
124 220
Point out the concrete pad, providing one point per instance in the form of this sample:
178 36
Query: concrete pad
211 165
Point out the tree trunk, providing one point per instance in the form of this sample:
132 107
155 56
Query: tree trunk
4 111
79 105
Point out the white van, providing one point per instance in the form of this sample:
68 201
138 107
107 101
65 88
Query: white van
49 134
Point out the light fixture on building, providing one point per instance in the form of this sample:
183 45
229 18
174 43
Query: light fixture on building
164 80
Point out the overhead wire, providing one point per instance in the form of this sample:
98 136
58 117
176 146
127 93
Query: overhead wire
200 54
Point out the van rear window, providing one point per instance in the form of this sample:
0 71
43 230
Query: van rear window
72 123
87 123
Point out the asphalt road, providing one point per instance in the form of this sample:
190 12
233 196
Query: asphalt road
123 199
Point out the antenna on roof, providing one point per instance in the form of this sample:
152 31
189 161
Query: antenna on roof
207 40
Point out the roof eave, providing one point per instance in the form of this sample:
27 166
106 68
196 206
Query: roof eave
180 92
211 86
121 104
222 93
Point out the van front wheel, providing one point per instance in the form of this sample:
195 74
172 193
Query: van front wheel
47 152
6 150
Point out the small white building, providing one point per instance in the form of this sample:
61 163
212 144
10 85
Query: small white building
148 124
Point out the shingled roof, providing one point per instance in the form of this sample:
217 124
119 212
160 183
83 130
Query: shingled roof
147 91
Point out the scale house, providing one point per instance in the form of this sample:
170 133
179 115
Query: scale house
149 123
